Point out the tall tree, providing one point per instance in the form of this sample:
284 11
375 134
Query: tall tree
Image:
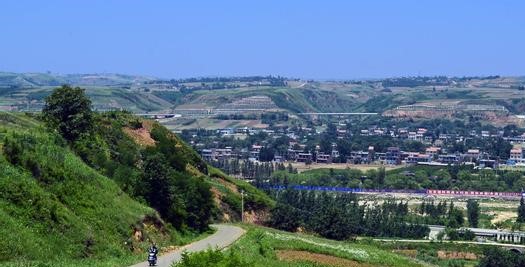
473 212
68 110
521 211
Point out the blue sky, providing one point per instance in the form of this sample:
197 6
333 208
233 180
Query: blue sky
308 39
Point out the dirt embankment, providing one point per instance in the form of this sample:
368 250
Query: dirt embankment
141 135
449 255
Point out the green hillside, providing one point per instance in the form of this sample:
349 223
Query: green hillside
85 202
53 207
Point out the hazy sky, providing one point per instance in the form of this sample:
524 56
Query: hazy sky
308 39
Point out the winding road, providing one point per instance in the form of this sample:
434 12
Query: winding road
225 236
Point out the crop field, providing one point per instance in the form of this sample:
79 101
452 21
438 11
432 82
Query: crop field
271 248
210 124
301 167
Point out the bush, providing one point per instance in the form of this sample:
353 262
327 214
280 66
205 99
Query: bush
494 256
68 110
212 258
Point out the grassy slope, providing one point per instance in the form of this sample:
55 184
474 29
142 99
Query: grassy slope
63 210
293 99
65 213
227 189
230 188
258 247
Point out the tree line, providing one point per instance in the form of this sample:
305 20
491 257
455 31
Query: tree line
414 177
340 216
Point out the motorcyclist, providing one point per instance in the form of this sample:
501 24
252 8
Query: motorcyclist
153 249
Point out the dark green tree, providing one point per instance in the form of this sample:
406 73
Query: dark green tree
521 211
494 256
285 217
473 213
160 192
68 110
266 154
455 217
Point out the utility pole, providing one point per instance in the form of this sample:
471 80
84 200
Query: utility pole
242 205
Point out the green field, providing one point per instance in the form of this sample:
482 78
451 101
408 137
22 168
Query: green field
267 247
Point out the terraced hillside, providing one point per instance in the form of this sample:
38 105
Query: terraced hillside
143 94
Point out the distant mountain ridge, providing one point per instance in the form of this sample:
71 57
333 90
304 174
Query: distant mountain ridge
145 94
12 79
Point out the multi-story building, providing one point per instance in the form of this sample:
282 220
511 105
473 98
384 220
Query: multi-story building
432 151
323 158
449 159
414 158
516 154
393 156
304 157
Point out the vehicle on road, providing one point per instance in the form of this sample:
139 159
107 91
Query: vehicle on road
152 259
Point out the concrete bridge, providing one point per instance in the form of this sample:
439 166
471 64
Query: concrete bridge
511 240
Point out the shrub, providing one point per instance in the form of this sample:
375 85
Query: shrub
68 110
212 258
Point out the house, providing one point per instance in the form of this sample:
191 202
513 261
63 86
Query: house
341 133
516 154
223 153
472 155
420 134
393 156
226 131
371 154
304 157
432 151
217 153
207 154
488 163
323 158
291 154
379 132
403 133
359 157
335 154
412 136
448 159
414 158
254 153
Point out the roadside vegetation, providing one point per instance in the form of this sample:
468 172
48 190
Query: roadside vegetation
411 177
271 248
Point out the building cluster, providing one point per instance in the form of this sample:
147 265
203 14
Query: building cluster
435 153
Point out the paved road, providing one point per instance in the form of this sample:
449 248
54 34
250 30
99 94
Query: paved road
225 236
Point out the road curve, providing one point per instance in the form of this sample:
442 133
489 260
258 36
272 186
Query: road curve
223 237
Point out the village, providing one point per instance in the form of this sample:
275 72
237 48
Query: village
310 146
